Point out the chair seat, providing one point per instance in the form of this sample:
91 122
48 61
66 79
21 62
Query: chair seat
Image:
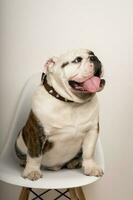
10 171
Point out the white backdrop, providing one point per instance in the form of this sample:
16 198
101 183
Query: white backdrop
32 31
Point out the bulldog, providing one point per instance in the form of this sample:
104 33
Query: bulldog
63 125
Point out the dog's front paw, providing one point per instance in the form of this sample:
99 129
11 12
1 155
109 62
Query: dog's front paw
32 175
91 168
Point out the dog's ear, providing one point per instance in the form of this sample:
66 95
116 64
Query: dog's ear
49 64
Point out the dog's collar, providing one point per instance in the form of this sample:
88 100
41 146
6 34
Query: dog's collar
51 90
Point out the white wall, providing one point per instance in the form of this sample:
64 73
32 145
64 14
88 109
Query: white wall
31 31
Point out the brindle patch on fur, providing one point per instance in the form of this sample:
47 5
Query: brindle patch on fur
75 162
48 145
33 135
64 64
97 63
91 53
21 156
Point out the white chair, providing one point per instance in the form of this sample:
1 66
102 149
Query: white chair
10 171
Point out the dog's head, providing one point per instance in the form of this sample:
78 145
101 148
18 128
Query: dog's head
78 72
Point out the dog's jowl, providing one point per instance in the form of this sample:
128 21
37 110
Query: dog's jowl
63 125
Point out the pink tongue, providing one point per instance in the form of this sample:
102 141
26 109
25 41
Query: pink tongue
92 84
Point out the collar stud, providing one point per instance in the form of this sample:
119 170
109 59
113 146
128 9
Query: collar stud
51 90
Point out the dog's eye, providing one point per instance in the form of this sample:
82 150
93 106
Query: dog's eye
94 58
77 60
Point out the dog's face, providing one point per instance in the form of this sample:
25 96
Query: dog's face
79 70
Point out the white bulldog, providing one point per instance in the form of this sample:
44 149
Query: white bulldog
63 125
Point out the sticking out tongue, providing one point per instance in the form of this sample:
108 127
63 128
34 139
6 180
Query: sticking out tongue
92 84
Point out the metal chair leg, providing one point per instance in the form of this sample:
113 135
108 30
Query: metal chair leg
24 195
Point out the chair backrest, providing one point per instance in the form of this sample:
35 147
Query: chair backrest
21 114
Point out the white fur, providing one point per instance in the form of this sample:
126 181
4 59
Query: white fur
65 124
70 126
32 169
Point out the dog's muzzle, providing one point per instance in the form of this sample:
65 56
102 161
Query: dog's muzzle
93 83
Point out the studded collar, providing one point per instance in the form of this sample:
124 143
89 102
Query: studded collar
51 90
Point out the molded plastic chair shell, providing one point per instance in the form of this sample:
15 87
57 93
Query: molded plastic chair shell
10 171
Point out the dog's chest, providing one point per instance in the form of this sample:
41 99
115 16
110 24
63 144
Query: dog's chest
65 125
61 120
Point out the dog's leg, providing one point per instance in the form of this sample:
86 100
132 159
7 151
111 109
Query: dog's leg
89 165
34 138
32 169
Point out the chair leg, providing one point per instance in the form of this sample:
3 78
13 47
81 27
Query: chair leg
80 193
73 194
24 195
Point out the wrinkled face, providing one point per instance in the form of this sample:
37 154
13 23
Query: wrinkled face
80 70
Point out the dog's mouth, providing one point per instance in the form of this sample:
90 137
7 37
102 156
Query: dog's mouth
91 85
